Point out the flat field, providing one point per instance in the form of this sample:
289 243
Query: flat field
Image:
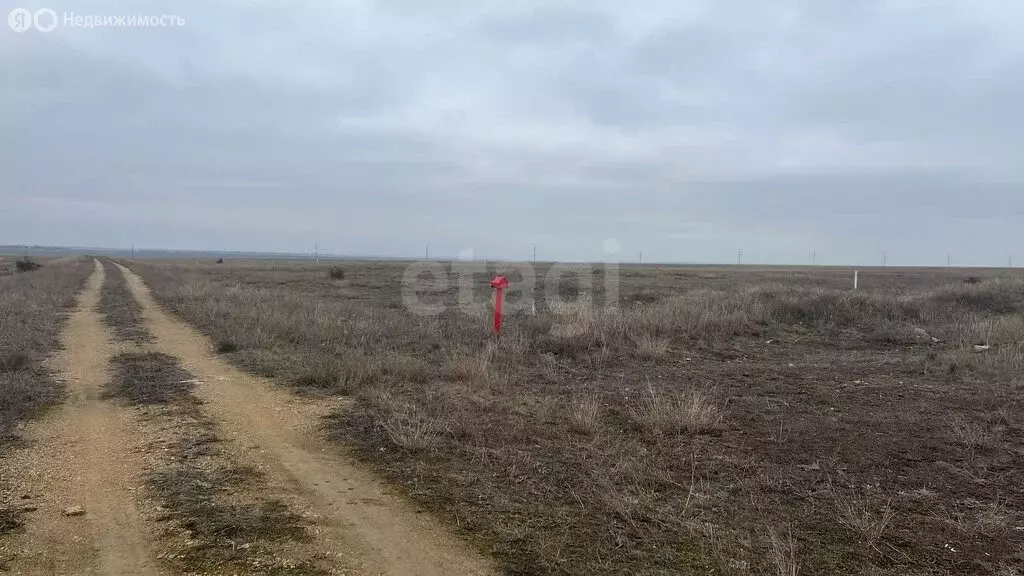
658 419
33 306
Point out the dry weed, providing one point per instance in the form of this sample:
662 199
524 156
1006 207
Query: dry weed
973 434
783 552
619 470
982 519
650 347
686 411
33 306
862 518
408 426
119 308
471 368
585 415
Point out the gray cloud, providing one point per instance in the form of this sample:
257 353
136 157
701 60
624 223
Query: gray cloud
687 131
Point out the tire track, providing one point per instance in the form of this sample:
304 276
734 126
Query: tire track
84 453
278 433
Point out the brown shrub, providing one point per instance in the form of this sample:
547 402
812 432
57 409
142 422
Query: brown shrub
1000 296
26 264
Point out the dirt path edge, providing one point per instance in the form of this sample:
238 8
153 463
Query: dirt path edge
360 518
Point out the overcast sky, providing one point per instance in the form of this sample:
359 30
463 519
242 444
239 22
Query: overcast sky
688 130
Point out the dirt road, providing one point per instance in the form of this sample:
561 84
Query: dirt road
277 432
85 453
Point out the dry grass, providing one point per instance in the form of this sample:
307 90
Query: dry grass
978 519
409 427
219 521
783 552
863 516
651 347
10 520
148 378
473 368
119 308
685 411
577 443
221 536
585 415
975 435
33 306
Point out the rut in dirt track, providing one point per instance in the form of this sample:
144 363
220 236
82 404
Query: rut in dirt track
278 433
84 453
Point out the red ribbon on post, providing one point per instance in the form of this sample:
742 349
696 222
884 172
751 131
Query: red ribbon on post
499 283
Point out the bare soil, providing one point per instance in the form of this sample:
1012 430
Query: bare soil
358 521
84 453
164 459
218 516
33 308
726 421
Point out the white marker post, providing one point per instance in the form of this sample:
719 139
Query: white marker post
856 279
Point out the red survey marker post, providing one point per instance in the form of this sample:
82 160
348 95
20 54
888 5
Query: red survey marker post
498 283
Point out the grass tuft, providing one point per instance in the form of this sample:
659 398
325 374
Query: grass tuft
216 505
867 521
119 308
650 347
978 519
782 552
148 378
689 411
410 428
973 434
585 415
10 521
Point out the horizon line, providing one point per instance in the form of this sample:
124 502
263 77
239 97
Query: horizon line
6 249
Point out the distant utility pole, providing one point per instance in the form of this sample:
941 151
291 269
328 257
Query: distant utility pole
814 258
534 253
949 259
426 251
739 257
316 252
885 259
641 256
